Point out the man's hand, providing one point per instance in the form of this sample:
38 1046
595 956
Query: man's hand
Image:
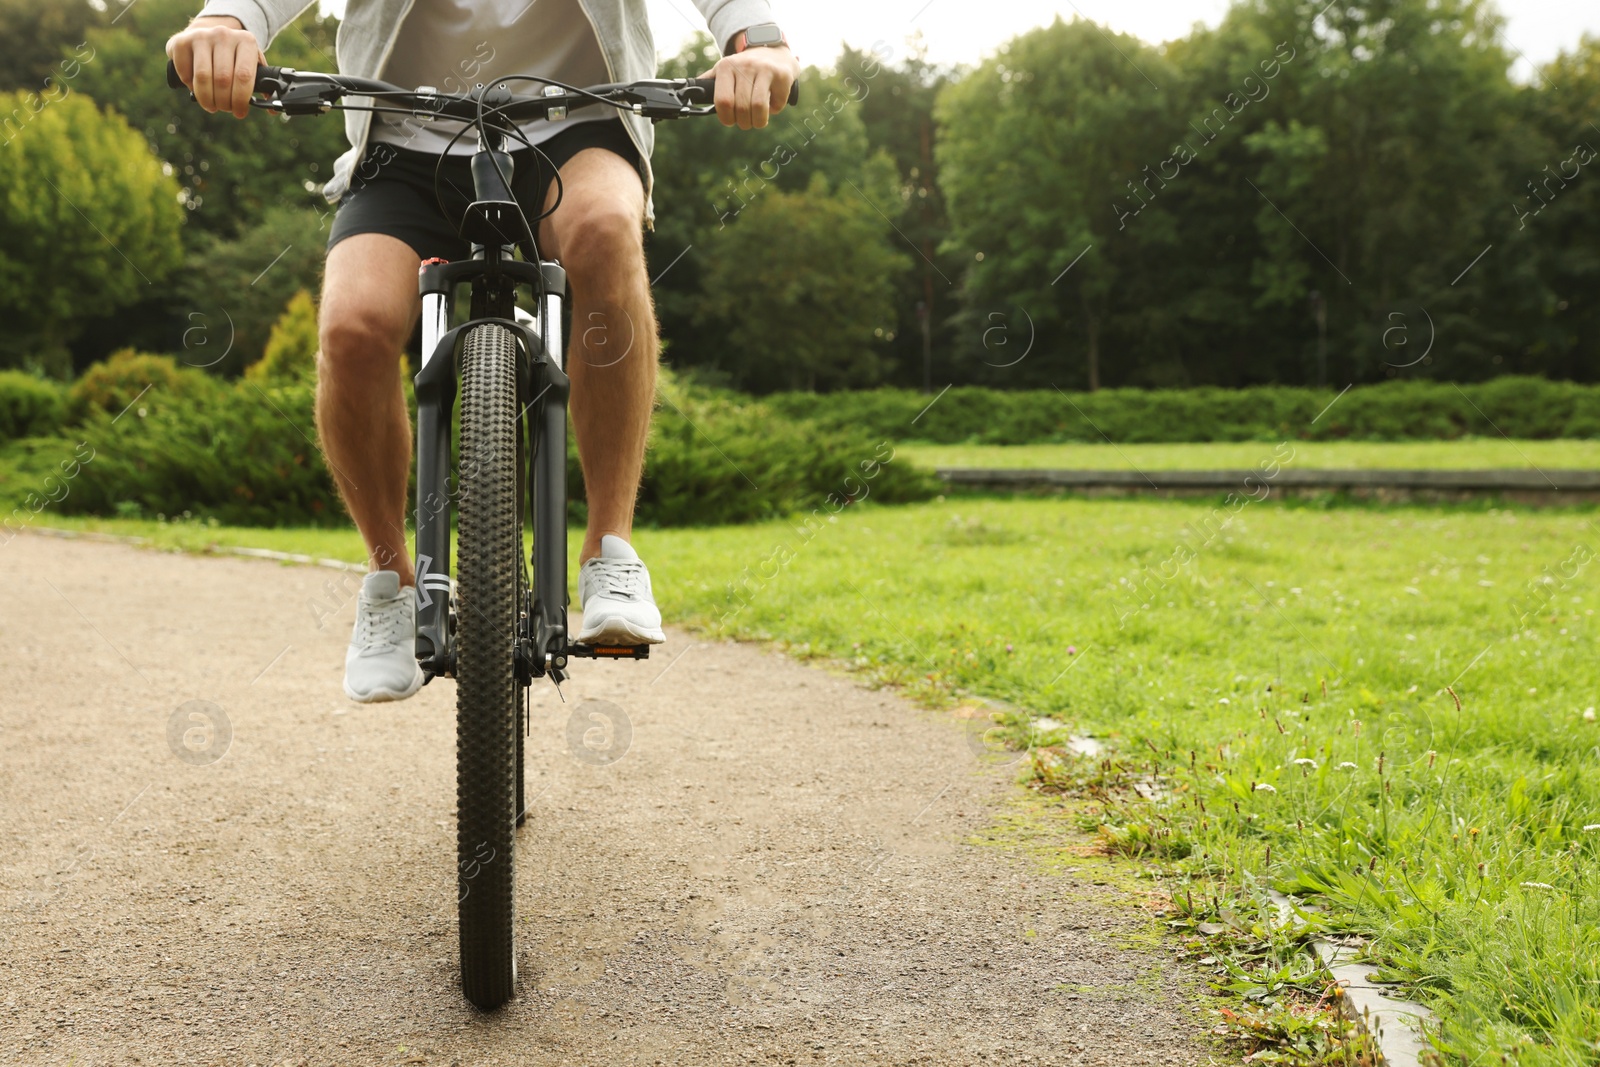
753 84
217 58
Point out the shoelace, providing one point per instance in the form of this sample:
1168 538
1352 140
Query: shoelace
620 579
381 623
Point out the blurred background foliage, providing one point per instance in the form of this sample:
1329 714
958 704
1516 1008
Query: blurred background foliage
1301 195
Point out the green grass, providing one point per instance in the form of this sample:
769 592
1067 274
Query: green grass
1480 453
1402 797
1280 674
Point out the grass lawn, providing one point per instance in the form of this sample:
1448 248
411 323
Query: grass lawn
1278 676
1479 453
1283 683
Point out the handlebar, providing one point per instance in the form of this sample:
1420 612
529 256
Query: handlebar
293 92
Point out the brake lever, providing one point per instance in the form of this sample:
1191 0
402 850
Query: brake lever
304 98
658 102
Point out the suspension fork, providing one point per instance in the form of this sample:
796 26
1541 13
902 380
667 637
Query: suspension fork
436 395
541 377
548 477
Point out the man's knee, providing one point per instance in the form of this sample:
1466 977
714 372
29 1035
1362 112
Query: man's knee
603 247
361 339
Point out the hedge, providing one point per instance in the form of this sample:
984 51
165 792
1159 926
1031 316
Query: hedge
1518 407
243 454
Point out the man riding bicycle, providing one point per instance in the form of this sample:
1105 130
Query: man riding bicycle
389 220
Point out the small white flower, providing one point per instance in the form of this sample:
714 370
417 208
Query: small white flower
1224 700
1591 827
1539 885
1346 767
1304 762
1263 787
1588 715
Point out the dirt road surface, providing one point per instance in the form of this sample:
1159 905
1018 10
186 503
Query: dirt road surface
732 858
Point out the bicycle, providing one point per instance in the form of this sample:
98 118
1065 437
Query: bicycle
493 628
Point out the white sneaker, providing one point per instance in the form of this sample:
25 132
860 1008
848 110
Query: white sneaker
614 592
381 663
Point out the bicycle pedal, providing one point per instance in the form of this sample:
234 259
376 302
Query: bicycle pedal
611 651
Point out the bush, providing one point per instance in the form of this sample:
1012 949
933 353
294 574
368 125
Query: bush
291 354
716 457
29 405
243 456
1517 407
110 386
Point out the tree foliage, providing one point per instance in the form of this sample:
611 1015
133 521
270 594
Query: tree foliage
1300 193
898 114
732 224
88 222
1037 146
38 36
232 171
809 315
234 290
1372 161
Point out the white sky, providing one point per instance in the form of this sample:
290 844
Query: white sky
963 31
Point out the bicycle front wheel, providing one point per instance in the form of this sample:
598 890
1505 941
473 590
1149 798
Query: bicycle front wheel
486 688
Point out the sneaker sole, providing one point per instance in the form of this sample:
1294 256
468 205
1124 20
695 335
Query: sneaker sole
384 696
619 632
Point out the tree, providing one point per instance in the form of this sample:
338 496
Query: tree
800 286
897 112
1043 151
709 178
88 223
1557 203
37 37
1373 172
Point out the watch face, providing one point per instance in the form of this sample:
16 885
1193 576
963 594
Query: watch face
763 36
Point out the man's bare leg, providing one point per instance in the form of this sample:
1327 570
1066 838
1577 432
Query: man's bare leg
369 307
598 234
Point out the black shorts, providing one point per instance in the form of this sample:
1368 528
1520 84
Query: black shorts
392 189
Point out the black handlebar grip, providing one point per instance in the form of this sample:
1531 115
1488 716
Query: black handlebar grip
266 77
708 86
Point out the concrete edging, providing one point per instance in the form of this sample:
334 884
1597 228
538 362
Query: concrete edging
1395 1026
1532 485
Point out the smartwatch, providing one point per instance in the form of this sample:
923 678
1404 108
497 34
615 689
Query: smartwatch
763 35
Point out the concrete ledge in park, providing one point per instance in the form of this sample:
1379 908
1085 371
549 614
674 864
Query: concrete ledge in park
1397 1027
1522 486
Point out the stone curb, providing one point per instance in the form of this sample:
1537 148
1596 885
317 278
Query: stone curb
1395 1026
1554 481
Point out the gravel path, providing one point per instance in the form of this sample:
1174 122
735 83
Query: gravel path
732 858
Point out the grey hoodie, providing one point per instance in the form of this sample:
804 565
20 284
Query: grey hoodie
368 32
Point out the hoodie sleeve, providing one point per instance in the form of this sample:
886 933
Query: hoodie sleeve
267 18
727 17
